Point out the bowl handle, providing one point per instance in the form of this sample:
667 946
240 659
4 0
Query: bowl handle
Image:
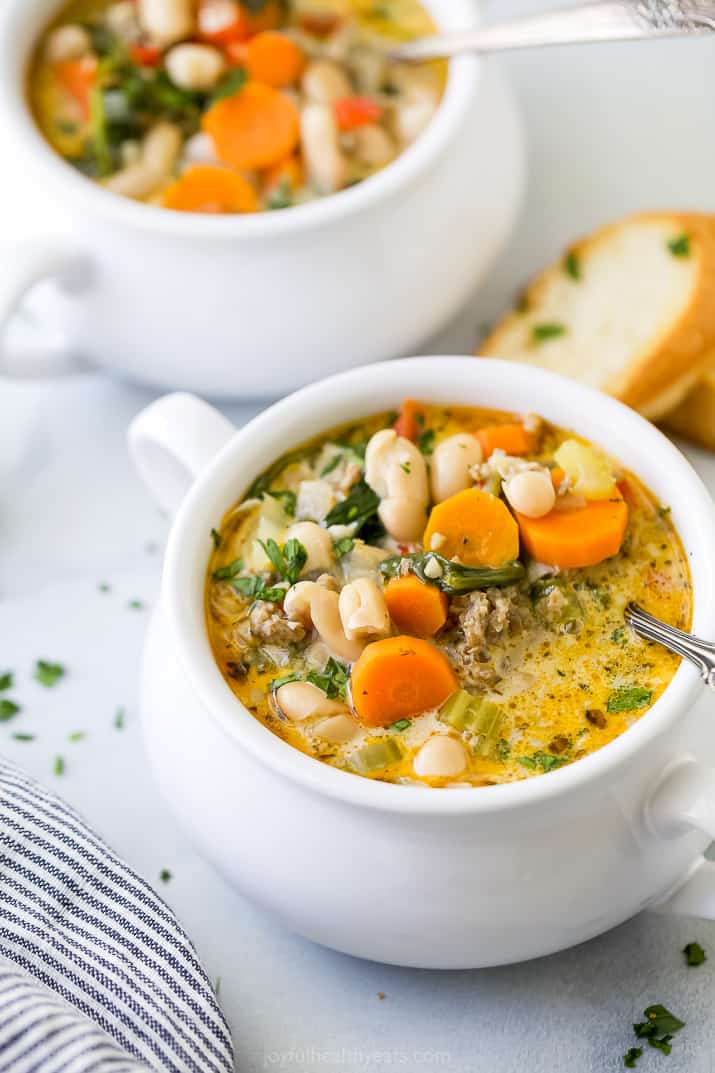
684 800
24 267
172 441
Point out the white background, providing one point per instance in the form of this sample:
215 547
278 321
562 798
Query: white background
610 129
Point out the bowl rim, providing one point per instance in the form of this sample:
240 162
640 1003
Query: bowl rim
21 18
318 402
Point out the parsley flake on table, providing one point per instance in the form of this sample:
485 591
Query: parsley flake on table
136 605
48 674
165 875
659 1027
77 735
8 709
103 586
694 954
631 1057
59 767
119 718
6 681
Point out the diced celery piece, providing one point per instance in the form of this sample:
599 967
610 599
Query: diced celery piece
589 472
376 756
476 715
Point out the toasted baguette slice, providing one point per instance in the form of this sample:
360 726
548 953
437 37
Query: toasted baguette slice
629 310
694 417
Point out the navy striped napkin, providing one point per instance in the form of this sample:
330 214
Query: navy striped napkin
96 975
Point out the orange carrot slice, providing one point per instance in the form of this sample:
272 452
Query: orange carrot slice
415 607
407 423
475 527
78 78
354 112
576 538
557 476
398 678
514 439
254 128
275 60
206 188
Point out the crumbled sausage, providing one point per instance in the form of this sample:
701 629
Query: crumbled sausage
268 624
596 717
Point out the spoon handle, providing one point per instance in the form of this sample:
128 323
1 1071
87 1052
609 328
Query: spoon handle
610 20
701 653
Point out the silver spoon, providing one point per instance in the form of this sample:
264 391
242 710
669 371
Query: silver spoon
611 20
701 653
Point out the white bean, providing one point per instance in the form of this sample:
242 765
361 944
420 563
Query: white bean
396 470
317 543
417 103
451 463
159 153
531 493
194 67
324 82
363 611
70 42
121 18
373 146
313 604
338 729
324 161
199 149
441 757
167 21
303 700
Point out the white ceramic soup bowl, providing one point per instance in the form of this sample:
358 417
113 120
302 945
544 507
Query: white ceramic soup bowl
404 874
257 305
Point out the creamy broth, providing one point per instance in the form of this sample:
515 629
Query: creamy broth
228 107
543 669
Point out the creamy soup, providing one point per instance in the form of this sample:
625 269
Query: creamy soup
227 107
436 597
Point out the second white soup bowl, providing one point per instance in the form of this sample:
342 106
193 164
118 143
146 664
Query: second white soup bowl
402 874
255 305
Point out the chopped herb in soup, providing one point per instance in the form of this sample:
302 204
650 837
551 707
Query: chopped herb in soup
436 597
224 106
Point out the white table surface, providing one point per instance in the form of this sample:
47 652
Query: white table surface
610 130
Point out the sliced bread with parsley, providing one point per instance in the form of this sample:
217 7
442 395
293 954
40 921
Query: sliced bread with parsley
629 309
694 417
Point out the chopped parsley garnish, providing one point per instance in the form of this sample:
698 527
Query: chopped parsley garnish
59 768
680 246
276 683
620 636
503 749
572 265
631 1057
23 737
232 83
628 698
545 761
48 674
343 547
262 483
288 499
119 719
165 875
694 954
425 441
255 587
136 605
6 681
216 537
8 709
225 573
358 508
401 724
663 512
281 196
77 735
287 561
659 1027
103 586
540 333
333 679
406 467
331 465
